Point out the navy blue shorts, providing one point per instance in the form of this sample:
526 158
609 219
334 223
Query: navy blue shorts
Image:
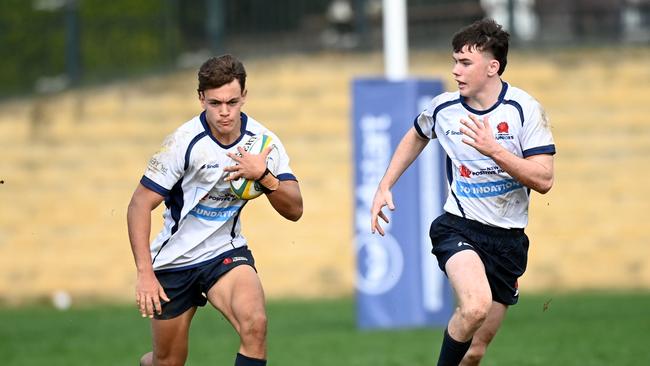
504 252
187 288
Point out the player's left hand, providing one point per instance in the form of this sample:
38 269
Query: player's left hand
248 166
480 135
383 197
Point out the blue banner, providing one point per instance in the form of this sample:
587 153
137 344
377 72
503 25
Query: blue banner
399 283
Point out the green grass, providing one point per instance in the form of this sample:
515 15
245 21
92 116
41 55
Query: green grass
575 329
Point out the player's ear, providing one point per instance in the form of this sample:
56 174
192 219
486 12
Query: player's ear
243 96
201 98
493 67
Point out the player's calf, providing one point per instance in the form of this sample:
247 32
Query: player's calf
474 354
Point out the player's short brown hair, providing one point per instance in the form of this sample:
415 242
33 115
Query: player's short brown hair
484 35
219 71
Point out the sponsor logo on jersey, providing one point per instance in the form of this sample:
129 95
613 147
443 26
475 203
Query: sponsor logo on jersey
462 243
227 197
465 172
214 213
156 166
453 133
503 131
488 189
209 166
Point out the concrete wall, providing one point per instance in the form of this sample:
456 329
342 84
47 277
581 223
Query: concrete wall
70 162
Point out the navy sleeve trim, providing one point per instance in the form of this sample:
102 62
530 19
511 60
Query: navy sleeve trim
418 129
548 149
286 176
147 182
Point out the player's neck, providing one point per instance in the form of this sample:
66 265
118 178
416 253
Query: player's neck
226 138
487 96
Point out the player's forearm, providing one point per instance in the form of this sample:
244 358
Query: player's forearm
407 151
535 172
287 200
139 227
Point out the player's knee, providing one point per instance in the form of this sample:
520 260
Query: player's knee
147 359
474 314
254 327
170 361
169 358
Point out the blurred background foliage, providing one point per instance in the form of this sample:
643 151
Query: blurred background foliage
49 45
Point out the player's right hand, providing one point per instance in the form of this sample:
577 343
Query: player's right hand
383 197
148 294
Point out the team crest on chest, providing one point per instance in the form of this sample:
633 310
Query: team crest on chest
503 131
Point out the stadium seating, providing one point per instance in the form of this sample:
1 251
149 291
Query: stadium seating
70 162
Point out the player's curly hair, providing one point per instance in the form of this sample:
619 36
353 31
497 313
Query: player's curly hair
484 35
219 71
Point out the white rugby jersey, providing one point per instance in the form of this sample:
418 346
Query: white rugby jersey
201 219
478 188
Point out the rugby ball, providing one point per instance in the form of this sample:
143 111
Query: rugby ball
247 189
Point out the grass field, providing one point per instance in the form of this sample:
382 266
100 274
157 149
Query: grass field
582 329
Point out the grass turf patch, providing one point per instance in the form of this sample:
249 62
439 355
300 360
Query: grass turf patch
560 329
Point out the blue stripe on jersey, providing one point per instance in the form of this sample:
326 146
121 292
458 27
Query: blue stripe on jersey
242 130
450 176
147 182
488 189
215 213
234 222
518 106
450 179
190 146
440 107
548 149
174 202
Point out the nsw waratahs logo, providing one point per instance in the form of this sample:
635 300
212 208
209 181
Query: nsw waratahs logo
503 131
465 172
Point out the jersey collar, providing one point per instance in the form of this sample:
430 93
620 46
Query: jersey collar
504 89
242 130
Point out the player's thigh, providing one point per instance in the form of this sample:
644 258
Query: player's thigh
238 294
170 336
467 277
